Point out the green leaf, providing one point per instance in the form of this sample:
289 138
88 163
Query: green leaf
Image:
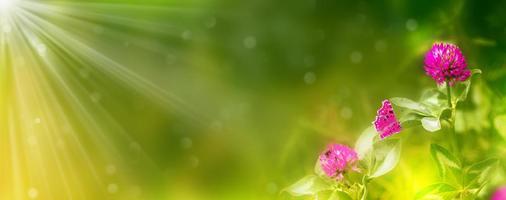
411 105
408 120
475 71
479 172
437 191
431 124
365 141
444 159
339 195
432 96
445 114
465 90
435 101
309 185
387 157
482 165
466 86
318 169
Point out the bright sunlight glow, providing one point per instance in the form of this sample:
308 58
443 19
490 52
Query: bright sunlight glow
6 4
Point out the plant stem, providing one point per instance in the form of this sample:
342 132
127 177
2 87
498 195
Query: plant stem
449 94
454 140
364 194
364 189
451 121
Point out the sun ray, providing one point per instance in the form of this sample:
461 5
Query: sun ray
92 58
60 141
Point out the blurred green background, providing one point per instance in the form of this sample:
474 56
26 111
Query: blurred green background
270 83
255 90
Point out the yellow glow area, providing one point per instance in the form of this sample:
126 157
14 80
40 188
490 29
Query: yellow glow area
53 145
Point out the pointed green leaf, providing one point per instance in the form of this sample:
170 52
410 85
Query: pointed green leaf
309 185
410 120
436 191
479 172
465 90
389 160
475 71
466 86
482 165
411 105
431 124
444 159
364 144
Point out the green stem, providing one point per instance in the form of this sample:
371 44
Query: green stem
449 93
364 194
454 140
364 189
451 121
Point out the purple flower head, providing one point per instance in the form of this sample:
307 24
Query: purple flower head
337 159
445 62
386 123
499 194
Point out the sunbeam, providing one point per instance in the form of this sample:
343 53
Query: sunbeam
60 141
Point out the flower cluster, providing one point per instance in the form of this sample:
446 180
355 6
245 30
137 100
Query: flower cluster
445 63
337 159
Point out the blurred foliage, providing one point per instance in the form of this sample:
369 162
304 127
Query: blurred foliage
281 79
